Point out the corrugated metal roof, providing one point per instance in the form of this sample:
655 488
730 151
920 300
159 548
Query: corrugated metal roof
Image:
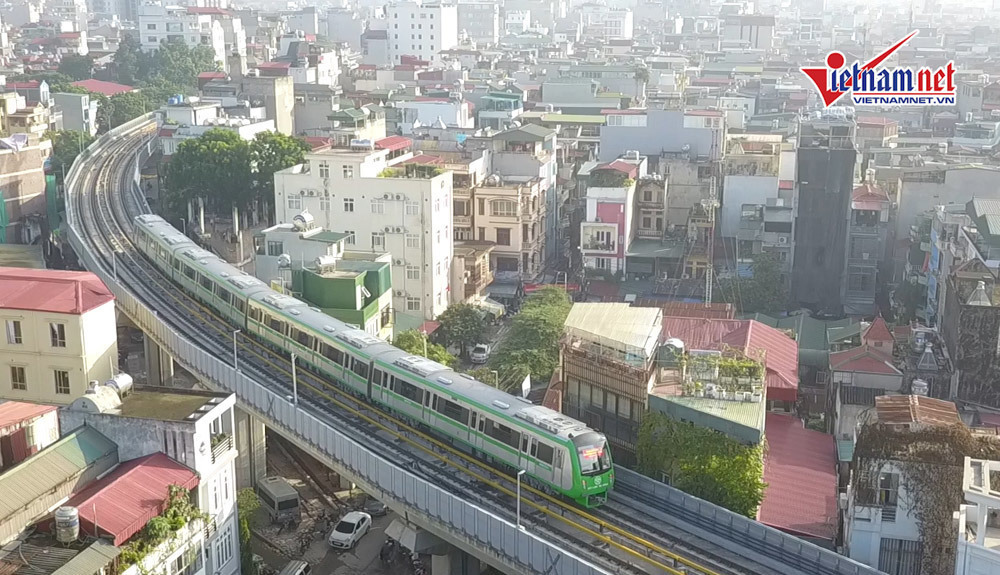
633 328
983 206
906 409
123 502
53 466
91 560
15 412
52 291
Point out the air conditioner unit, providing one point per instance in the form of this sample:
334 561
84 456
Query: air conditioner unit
399 230
400 197
388 229
782 240
399 262
386 196
399 293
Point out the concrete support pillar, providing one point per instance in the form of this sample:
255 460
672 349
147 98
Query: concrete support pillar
982 516
201 216
153 357
455 562
251 465
166 368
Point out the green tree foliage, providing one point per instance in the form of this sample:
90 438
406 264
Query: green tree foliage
765 292
66 146
484 374
215 166
412 341
271 152
172 69
226 170
122 108
463 325
532 344
909 297
247 504
77 67
702 462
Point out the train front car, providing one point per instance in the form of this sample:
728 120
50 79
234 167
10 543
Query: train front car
596 473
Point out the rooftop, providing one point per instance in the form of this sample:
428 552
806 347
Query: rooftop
121 503
907 409
167 404
15 412
741 420
800 472
19 256
688 309
634 328
863 359
52 291
101 87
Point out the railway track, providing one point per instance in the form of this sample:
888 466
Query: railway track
617 538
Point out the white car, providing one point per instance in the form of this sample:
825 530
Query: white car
351 528
480 353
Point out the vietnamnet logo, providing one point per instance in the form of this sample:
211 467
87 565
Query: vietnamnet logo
870 84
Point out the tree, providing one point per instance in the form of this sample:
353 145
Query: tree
412 341
463 325
215 167
127 60
122 108
247 504
484 375
765 292
641 77
702 462
66 146
270 152
532 344
77 67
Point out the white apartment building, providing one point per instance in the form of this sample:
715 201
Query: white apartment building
72 11
480 22
421 29
605 22
978 550
59 334
454 113
189 24
516 22
194 428
404 210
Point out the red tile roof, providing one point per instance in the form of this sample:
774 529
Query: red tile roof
212 11
393 143
101 87
863 359
22 85
786 184
907 409
123 502
689 309
800 472
424 159
620 166
51 291
274 65
318 142
877 331
212 75
13 413
875 120
780 353
869 197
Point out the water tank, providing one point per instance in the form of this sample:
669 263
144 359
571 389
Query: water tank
172 101
918 387
122 383
303 221
323 262
67 524
92 386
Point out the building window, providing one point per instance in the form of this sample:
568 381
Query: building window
378 207
348 204
412 208
412 272
188 562
14 336
503 236
412 304
57 333
18 378
349 240
604 263
295 202
275 248
378 240
348 172
324 170
482 234
504 208
224 547
62 382
413 241
150 26
324 203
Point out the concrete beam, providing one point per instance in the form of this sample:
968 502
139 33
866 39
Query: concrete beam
251 444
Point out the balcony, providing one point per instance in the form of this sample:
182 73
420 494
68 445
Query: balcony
462 192
462 221
222 443
863 230
862 261
595 246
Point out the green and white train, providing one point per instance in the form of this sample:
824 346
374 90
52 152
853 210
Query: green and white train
560 454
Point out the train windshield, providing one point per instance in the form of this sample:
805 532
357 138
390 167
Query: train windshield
593 451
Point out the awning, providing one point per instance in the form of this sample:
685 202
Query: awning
410 536
494 307
502 290
429 327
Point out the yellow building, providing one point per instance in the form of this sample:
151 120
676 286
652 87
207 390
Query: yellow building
59 333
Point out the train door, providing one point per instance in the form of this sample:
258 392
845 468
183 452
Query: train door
522 458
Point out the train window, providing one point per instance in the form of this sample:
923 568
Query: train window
559 459
545 452
255 314
175 263
473 420
205 282
302 337
333 354
276 324
409 391
390 382
502 433
427 399
524 443
452 410
241 304
190 273
482 424
377 376
534 448
360 368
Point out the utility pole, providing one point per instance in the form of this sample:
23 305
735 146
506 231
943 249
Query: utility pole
710 204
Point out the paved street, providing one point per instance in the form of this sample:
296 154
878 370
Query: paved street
362 560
